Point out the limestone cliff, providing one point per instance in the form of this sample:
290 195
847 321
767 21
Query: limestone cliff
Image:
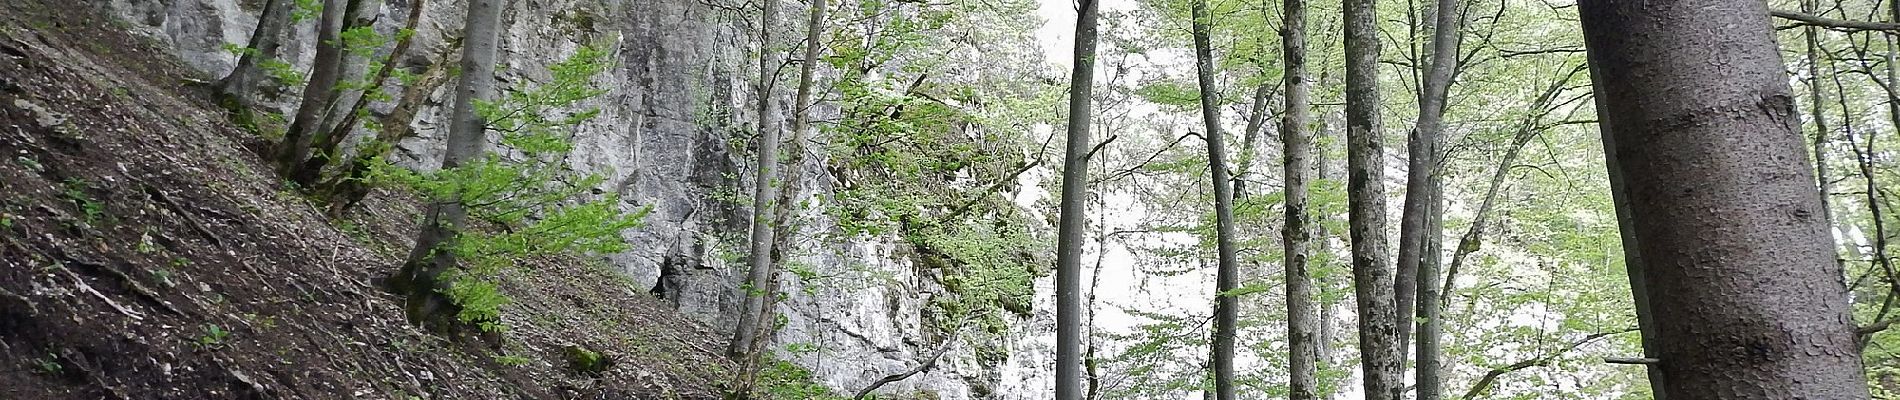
674 134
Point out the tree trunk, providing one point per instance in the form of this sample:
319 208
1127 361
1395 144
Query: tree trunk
1423 178
351 102
1302 311
466 139
343 190
265 39
1747 302
316 94
1812 35
1371 272
1071 226
1250 139
746 338
362 14
1227 277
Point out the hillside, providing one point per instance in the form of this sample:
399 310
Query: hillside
148 253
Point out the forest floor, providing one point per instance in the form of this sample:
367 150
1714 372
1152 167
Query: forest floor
146 252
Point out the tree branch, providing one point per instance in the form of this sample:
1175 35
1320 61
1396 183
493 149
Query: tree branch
1825 22
920 368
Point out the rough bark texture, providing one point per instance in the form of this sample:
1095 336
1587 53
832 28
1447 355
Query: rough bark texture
1371 272
1301 311
1633 263
1746 300
466 140
1071 226
758 286
265 40
1227 275
323 78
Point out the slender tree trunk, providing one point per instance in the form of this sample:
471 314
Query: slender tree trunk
1302 311
351 103
1250 139
345 189
1227 277
1071 226
316 94
1379 350
352 74
420 276
791 195
758 286
1812 35
1746 300
265 39
1426 145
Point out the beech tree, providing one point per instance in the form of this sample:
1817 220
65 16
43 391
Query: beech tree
1302 312
1226 306
313 105
1738 265
758 289
1072 223
239 85
422 273
1373 281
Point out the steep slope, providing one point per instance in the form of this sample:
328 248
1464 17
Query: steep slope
147 253
674 133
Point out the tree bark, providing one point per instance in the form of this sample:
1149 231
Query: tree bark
1816 99
1698 117
467 137
265 39
351 103
1372 273
1071 225
1302 312
1227 275
1426 145
745 346
316 94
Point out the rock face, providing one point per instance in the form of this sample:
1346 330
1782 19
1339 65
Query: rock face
674 135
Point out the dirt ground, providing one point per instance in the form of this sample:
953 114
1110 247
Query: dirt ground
147 253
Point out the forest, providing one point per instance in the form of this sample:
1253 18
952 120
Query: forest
949 199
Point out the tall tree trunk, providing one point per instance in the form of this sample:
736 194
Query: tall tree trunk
431 258
1071 226
1372 273
353 73
344 189
1302 311
1227 275
265 39
1423 184
1812 35
1746 300
350 102
758 287
790 195
316 94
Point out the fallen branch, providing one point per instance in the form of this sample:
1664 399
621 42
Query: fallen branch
80 283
